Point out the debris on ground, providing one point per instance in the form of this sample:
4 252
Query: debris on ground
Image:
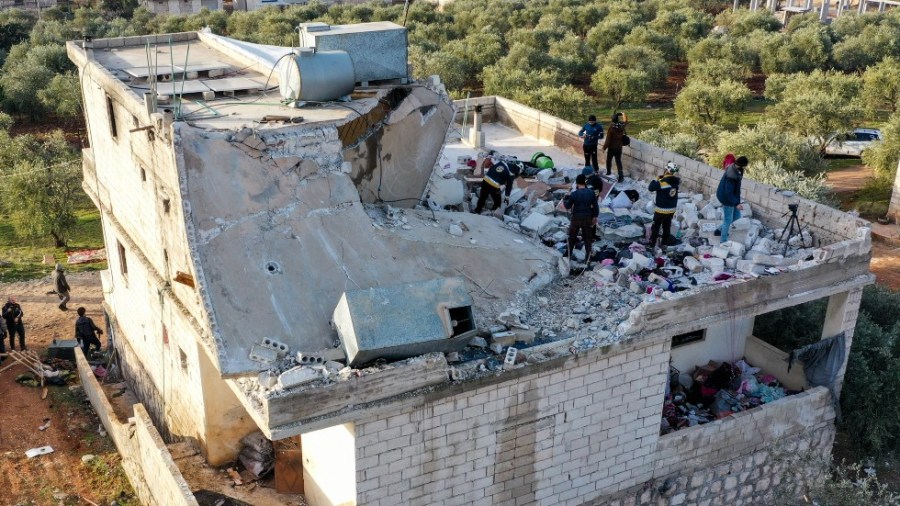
34 452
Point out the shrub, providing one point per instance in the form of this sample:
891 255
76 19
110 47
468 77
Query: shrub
771 172
881 86
815 106
681 143
768 140
884 155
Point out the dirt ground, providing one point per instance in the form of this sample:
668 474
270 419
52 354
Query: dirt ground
60 477
885 256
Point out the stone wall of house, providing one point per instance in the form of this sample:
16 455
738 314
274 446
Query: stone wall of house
132 177
746 458
563 436
586 433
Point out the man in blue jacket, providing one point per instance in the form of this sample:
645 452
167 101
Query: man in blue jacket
666 189
591 133
500 175
582 203
729 194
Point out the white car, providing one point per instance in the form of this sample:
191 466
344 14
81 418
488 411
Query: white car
853 143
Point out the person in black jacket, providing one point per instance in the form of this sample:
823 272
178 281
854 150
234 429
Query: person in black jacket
87 333
500 175
729 194
666 189
591 133
12 313
582 203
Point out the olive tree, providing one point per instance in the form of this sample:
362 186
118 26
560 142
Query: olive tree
881 86
620 85
804 50
815 106
884 155
711 102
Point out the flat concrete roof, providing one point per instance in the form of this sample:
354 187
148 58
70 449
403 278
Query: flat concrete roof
239 74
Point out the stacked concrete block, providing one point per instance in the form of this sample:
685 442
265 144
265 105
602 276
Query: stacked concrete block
565 436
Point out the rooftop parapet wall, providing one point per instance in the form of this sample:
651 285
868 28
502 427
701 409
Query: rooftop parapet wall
645 161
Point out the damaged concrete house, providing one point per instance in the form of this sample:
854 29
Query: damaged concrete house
288 257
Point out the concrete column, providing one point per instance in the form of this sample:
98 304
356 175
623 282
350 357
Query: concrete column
736 4
843 310
809 5
823 12
862 6
225 420
894 207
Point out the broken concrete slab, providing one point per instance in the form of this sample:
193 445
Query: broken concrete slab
537 223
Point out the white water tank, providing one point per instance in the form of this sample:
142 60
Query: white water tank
317 76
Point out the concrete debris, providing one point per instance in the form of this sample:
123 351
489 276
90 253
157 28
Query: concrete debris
478 342
257 454
297 376
455 230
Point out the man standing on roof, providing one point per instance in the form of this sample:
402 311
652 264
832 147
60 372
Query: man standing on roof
584 208
666 189
61 286
615 140
591 132
729 194
501 174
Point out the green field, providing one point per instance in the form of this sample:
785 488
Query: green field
26 255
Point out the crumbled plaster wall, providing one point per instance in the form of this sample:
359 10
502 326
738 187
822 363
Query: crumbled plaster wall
386 165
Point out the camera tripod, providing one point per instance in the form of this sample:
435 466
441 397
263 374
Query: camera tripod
792 224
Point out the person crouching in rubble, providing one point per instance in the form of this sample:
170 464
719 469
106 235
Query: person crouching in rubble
86 332
499 174
582 203
666 189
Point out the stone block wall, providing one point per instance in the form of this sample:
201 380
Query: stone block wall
147 462
644 161
828 225
586 432
564 436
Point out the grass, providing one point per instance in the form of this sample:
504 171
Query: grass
833 164
25 255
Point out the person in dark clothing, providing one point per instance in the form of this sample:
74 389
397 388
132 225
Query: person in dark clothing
500 175
729 194
2 339
12 313
87 333
615 136
584 208
591 133
666 189
593 181
61 286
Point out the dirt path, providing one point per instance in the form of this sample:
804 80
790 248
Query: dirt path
60 477
885 257
849 180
